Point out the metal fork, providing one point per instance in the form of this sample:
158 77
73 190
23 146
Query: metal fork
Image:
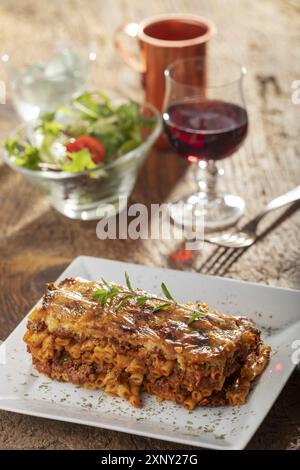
247 234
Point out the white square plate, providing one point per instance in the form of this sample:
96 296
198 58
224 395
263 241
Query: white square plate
275 311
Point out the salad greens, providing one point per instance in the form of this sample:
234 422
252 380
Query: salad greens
89 131
80 160
23 154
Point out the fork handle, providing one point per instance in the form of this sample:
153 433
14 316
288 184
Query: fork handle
280 201
287 198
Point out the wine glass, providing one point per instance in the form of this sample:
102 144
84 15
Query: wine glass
205 119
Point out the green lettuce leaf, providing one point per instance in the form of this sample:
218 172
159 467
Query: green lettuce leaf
79 161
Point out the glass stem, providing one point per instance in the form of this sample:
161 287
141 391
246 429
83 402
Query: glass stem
212 174
206 176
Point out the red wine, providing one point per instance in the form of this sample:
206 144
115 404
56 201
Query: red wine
205 129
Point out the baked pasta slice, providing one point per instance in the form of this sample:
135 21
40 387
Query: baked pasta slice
106 336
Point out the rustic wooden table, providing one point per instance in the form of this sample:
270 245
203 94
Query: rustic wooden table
37 243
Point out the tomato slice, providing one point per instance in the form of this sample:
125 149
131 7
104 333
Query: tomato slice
88 142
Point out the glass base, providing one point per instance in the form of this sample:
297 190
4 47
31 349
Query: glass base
91 211
217 213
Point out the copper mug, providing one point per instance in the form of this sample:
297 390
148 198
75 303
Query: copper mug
163 39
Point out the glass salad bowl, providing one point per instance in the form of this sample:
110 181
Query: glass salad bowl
99 191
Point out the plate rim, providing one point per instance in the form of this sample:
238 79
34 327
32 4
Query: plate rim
209 276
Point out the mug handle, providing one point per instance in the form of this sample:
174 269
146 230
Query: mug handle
131 30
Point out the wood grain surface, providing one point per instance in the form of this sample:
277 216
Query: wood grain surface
37 243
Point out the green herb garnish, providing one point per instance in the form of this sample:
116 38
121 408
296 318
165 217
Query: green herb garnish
128 283
162 307
140 301
105 283
123 301
195 317
103 295
109 292
166 291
